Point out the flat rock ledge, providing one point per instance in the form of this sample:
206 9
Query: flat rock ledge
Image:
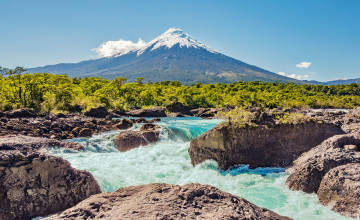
165 201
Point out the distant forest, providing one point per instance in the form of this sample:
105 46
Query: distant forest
59 93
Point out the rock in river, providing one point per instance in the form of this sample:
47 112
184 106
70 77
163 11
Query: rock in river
165 201
127 140
277 146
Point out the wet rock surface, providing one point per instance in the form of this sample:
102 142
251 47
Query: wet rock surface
127 140
35 184
340 189
165 201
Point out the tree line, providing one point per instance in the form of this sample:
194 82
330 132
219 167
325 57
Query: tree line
58 93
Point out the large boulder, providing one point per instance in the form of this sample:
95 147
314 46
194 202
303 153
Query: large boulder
99 112
22 113
340 189
178 107
308 170
165 201
262 146
34 184
150 112
127 140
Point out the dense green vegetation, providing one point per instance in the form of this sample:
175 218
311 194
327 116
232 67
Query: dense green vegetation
56 93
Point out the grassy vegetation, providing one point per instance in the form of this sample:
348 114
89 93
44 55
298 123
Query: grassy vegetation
261 117
59 93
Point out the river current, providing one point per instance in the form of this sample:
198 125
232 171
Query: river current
168 161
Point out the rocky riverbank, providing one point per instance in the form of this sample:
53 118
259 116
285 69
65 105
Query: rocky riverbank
35 184
321 151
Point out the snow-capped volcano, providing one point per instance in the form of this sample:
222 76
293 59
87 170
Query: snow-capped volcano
172 37
174 55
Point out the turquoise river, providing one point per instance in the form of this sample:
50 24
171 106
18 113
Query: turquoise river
168 161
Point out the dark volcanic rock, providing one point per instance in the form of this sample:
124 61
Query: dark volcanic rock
100 112
340 189
179 107
165 201
309 169
34 184
205 112
127 140
260 146
149 127
124 124
85 132
21 113
150 112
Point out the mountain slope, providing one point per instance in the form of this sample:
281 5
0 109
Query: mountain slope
343 81
172 56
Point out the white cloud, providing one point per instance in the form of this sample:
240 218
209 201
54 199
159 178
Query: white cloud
303 65
110 48
294 76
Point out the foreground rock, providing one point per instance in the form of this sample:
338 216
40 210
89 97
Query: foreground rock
127 140
165 201
309 169
34 184
262 146
340 189
150 112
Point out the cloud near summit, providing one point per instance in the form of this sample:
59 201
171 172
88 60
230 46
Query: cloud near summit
110 48
303 65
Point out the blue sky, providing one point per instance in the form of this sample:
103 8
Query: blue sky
272 34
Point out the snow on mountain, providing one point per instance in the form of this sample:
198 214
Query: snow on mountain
172 37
